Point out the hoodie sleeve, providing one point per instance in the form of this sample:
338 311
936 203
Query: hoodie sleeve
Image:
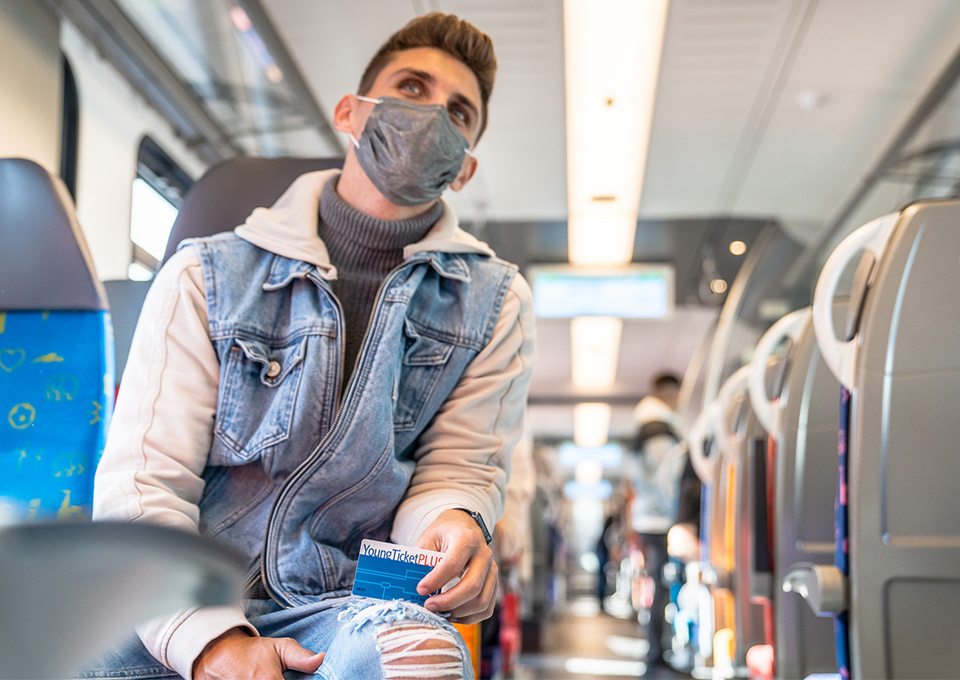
463 457
159 440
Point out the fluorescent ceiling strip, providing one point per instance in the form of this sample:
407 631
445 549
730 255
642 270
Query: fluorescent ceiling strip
612 58
591 424
595 349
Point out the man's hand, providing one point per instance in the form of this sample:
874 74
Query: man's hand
457 536
235 655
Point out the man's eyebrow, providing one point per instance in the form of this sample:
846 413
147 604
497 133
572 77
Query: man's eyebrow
428 78
465 101
422 75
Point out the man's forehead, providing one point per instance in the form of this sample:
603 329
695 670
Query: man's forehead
445 69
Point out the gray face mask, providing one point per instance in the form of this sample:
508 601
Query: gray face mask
410 152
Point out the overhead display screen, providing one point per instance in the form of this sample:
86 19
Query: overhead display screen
609 455
633 292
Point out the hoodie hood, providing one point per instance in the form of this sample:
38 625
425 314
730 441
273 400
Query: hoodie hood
289 228
652 409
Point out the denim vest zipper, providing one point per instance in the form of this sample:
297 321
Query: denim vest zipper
268 546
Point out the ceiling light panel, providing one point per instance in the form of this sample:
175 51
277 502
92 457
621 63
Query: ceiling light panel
612 57
591 423
595 350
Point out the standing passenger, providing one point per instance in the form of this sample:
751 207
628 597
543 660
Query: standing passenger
347 364
654 469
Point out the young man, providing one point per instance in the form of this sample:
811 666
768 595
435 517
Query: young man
347 364
655 466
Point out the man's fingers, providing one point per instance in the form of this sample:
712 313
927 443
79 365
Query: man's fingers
450 567
480 569
295 657
480 607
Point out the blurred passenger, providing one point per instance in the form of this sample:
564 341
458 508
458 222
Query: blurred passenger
276 399
654 467
512 541
683 541
608 554
511 536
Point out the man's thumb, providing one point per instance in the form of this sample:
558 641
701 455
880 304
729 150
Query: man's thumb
295 657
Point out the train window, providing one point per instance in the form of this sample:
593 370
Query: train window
70 129
158 192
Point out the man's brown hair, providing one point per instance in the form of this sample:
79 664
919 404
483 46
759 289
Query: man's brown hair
446 32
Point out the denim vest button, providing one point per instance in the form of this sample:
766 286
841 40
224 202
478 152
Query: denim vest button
273 369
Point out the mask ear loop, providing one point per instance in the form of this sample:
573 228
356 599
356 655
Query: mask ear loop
356 143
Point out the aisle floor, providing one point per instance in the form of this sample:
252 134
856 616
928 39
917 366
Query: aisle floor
584 644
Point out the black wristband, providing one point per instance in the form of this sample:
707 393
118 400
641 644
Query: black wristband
480 523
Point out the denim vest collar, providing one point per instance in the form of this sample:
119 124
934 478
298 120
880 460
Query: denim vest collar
283 271
289 229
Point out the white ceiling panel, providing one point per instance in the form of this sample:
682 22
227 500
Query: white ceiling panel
873 65
730 135
720 59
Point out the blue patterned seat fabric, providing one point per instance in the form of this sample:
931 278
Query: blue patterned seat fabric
56 352
56 397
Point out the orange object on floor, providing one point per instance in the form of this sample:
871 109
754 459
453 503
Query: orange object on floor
471 635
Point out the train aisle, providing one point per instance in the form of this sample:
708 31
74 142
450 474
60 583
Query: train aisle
581 643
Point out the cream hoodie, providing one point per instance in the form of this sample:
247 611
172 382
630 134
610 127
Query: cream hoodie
162 428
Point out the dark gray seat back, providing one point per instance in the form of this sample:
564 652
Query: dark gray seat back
806 477
904 503
229 191
751 586
44 260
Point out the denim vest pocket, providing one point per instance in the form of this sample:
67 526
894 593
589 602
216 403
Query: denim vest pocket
257 395
423 362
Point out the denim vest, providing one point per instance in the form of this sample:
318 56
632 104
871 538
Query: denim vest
297 476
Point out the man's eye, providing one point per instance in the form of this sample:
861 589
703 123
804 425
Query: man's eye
412 88
459 116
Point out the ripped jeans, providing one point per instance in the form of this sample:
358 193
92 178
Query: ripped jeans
364 639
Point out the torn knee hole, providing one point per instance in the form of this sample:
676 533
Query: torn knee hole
415 651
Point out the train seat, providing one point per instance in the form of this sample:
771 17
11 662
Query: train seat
748 458
229 191
899 363
56 352
126 300
803 421
738 624
222 199
70 590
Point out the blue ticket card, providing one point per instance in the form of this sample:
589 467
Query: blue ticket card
391 572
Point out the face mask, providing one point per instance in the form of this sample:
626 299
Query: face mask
410 152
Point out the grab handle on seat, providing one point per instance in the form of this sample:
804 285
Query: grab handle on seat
840 355
735 384
823 586
791 326
704 426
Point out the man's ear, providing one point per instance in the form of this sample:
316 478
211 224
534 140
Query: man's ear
343 114
467 171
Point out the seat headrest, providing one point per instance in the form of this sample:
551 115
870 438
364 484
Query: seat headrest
226 195
44 260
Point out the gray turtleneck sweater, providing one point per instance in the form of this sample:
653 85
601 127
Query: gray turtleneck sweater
364 250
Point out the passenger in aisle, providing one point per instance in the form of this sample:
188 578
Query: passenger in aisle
654 467
241 421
